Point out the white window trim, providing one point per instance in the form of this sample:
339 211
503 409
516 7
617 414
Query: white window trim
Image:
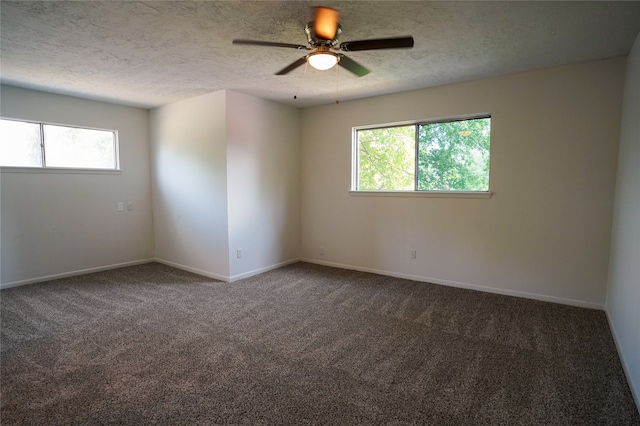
423 194
418 194
59 170
68 170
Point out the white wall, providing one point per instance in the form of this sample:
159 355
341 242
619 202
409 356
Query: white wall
225 169
545 231
263 184
57 224
189 165
623 297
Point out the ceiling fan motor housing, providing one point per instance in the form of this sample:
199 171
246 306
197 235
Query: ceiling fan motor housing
314 40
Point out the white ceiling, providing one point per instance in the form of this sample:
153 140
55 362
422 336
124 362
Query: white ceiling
150 53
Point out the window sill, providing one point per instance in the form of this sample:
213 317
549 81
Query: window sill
425 194
59 170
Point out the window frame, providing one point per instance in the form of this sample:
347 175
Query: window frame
55 169
355 163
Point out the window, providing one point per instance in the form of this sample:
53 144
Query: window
27 144
448 155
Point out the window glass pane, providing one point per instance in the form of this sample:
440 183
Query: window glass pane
454 156
20 144
81 148
386 159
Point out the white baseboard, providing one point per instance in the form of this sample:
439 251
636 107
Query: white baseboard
634 387
191 269
541 297
73 273
261 270
571 302
140 262
224 277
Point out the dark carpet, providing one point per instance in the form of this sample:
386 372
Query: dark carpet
304 344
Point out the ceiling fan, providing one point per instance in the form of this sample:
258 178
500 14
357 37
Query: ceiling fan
322 37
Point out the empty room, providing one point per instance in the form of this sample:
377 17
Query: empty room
295 212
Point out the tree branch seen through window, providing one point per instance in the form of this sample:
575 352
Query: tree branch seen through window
441 156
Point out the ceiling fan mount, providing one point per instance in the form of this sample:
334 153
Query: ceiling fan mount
322 39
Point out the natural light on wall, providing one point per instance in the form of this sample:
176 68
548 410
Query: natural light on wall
27 144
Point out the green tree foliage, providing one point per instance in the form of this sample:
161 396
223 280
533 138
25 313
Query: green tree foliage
387 159
454 156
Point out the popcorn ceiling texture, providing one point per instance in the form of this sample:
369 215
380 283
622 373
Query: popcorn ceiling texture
156 52
300 345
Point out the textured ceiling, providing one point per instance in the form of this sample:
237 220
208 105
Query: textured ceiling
155 52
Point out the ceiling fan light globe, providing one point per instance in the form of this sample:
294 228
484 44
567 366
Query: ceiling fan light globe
322 61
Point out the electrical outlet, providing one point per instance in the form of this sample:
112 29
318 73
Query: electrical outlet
413 253
239 253
130 206
321 251
120 206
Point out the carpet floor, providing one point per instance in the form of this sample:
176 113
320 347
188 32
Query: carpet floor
303 344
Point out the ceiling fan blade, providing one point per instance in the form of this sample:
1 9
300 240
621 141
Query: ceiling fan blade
326 23
380 43
353 66
292 66
269 43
